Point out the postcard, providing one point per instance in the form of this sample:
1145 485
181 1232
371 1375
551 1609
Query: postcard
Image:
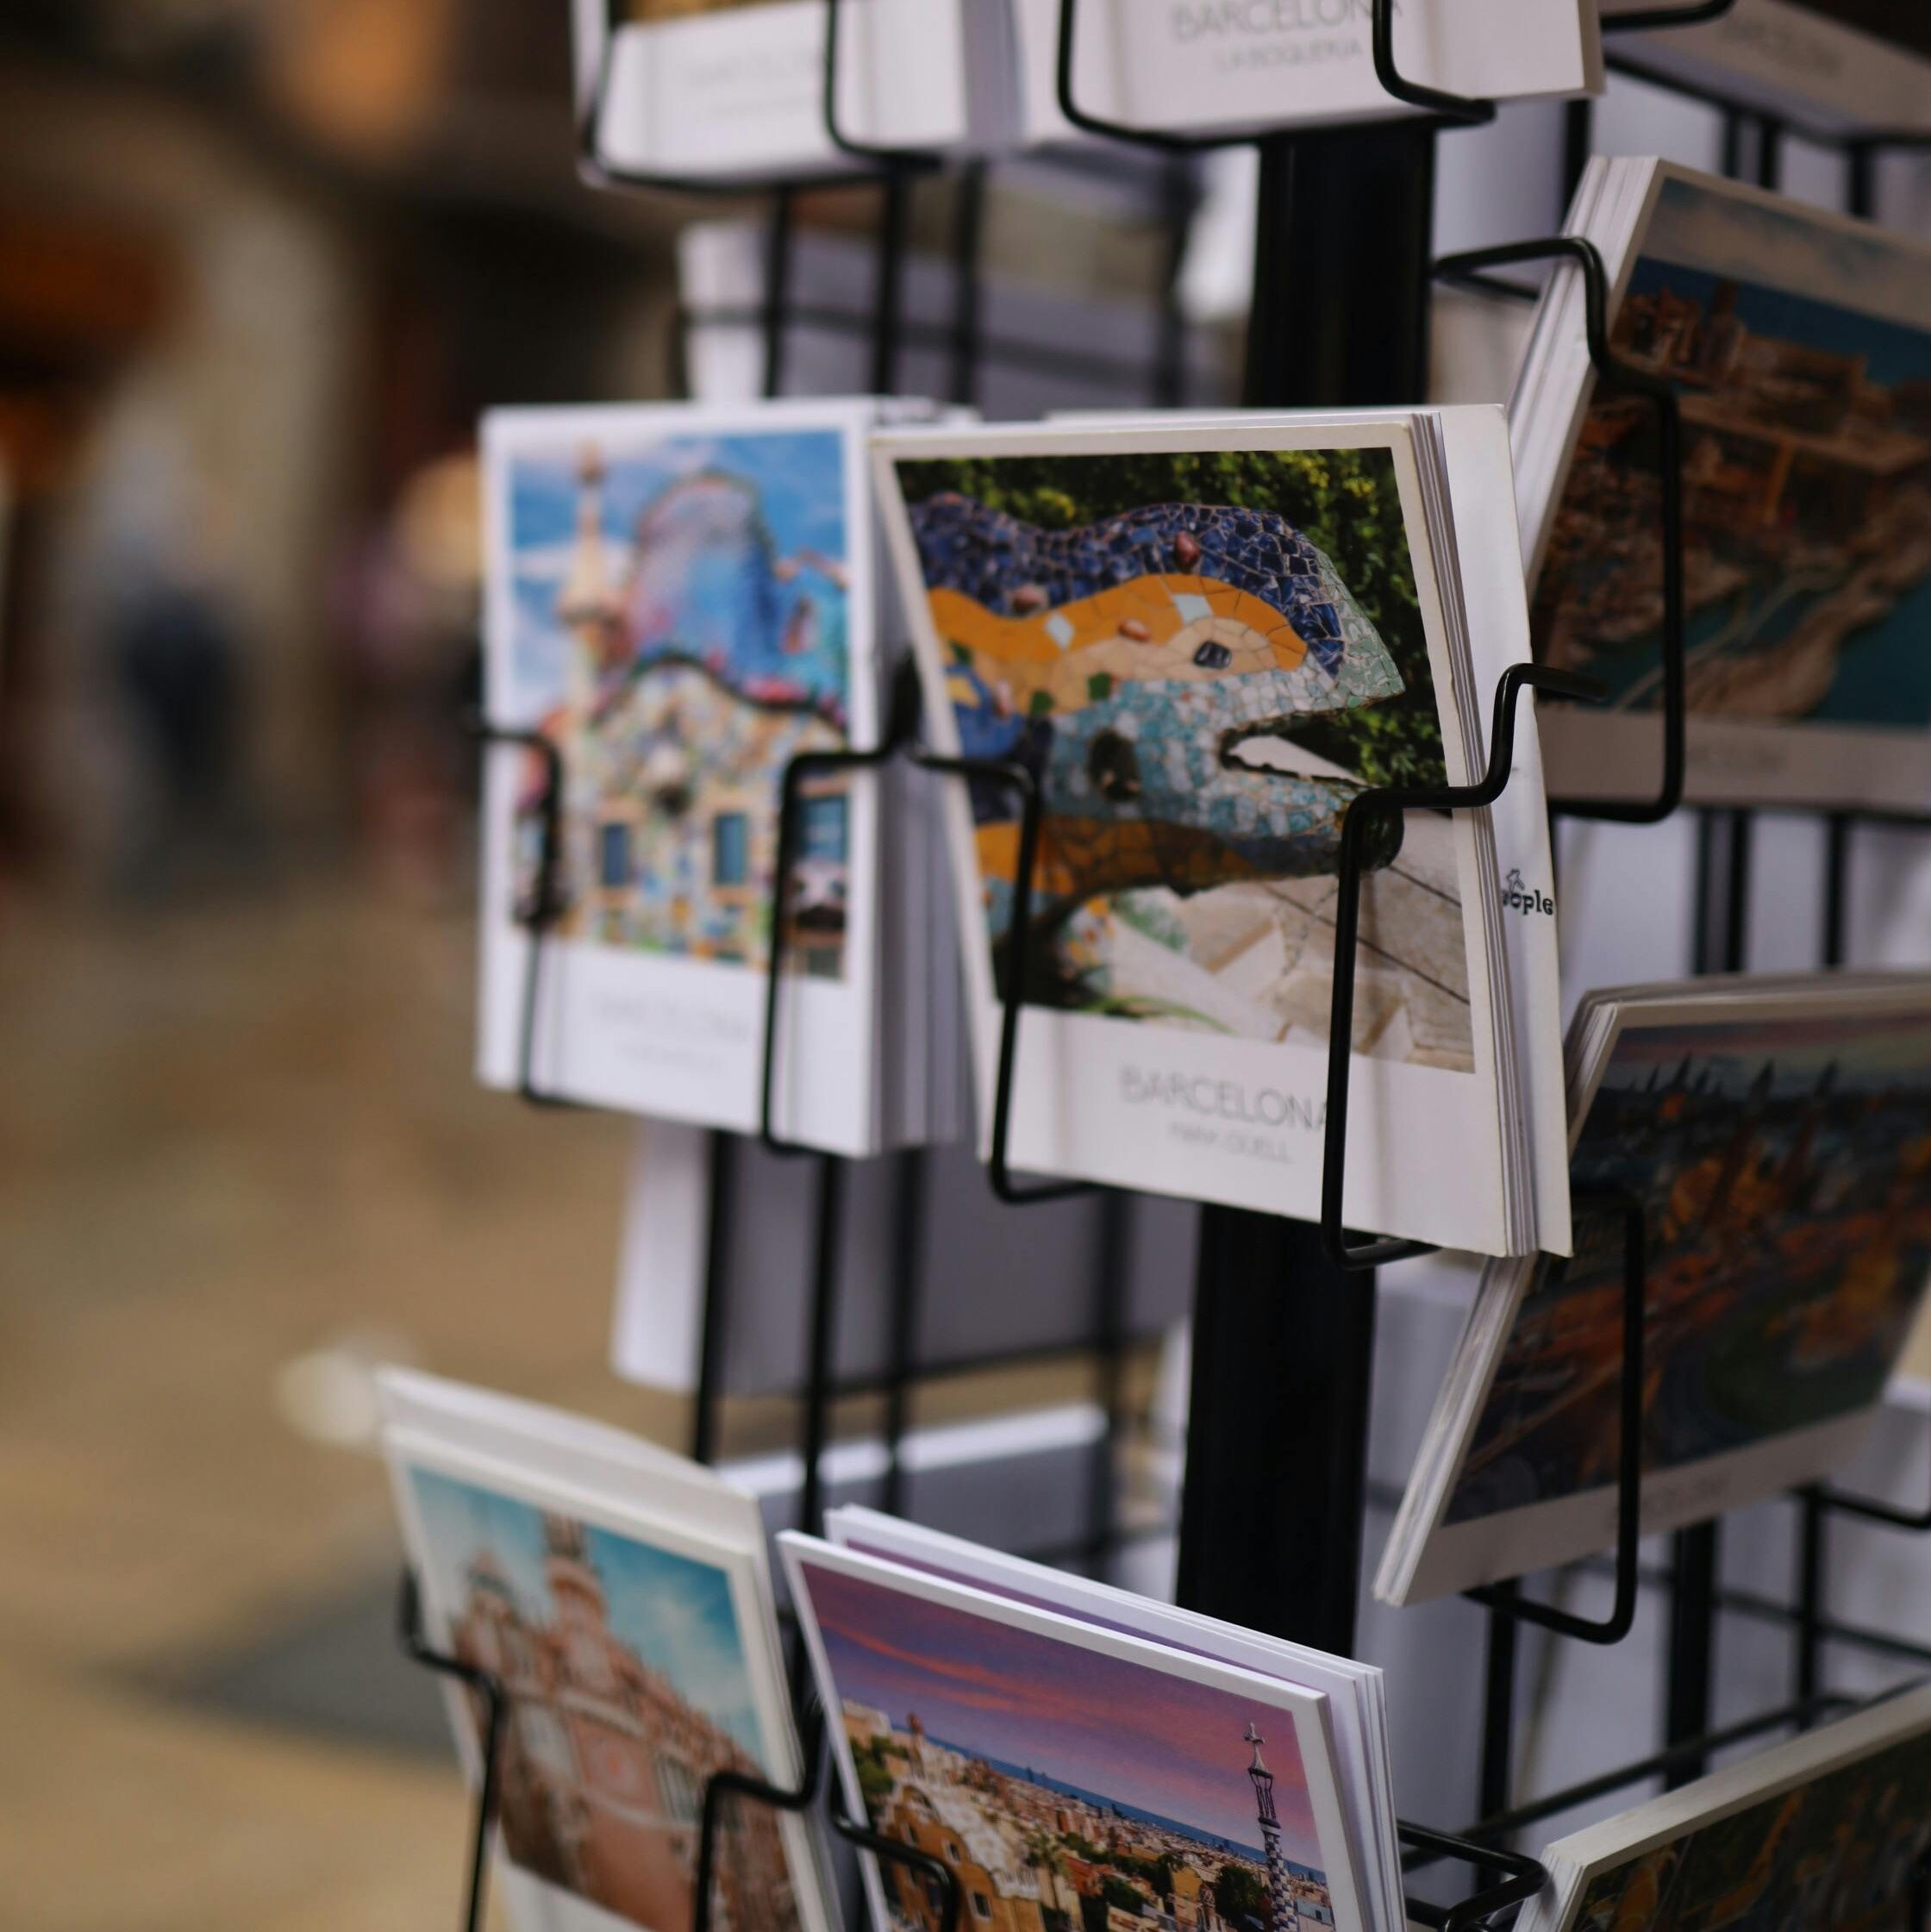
726 88
1060 1768
1221 63
1828 1830
638 1658
681 600
1846 65
1779 1141
1798 344
1205 641
1357 1711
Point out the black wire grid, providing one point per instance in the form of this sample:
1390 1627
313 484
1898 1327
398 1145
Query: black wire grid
1697 1594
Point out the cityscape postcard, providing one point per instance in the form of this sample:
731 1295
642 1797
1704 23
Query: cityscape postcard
631 1676
1798 345
679 601
1780 1144
1828 1829
1074 1778
1202 643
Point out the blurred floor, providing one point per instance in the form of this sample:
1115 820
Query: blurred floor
227 1140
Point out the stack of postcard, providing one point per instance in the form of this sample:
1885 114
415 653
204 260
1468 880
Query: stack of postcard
682 600
1778 1134
1830 1830
724 90
1205 639
1077 1756
1209 67
621 1596
1799 346
1840 65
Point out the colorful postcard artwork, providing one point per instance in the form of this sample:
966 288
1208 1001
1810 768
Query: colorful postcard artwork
1841 1851
681 606
1806 466
627 1688
1203 657
1068 1789
1786 1172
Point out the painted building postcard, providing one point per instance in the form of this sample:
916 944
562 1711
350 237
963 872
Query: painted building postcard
1075 1779
681 602
630 1678
1799 348
1780 1144
1828 1829
1203 643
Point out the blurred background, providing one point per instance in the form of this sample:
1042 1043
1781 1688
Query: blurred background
262 263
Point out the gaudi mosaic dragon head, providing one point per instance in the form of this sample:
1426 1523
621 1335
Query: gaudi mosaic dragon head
1146 667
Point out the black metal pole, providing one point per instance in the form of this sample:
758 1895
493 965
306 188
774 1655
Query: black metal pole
1359 203
1276 1431
1110 1347
777 290
1177 195
704 1430
829 1216
1284 1340
968 240
1579 143
1498 1722
888 297
908 1254
1722 942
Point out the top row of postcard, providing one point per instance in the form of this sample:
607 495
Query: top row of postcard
737 89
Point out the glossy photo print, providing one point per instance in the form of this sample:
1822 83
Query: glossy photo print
1800 352
1203 657
1786 1172
1065 1784
628 1685
680 604
1841 1851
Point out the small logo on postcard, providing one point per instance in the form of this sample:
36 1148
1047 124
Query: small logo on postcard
1525 899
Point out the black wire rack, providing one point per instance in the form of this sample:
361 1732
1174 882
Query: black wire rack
1257 1278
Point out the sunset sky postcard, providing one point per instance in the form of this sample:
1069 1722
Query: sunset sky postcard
1152 1742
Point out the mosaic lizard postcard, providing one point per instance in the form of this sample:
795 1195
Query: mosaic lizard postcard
1203 653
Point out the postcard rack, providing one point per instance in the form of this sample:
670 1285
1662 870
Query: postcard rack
1516 1880
1265 1481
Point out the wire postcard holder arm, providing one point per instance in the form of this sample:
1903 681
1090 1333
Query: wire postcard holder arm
1365 810
489 1691
901 741
1473 268
1502 1600
538 913
723 1785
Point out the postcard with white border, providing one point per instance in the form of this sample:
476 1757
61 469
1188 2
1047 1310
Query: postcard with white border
1779 1137
1205 639
1798 345
1830 1830
1357 1710
1048 1761
639 1656
681 599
